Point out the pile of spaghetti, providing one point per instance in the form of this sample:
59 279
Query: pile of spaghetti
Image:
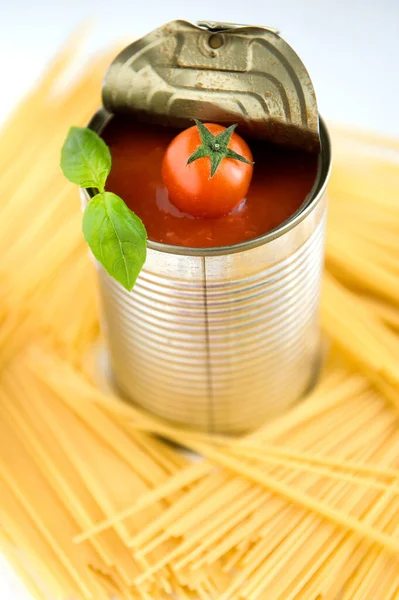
96 502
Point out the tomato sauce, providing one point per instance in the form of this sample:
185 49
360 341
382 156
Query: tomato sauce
281 181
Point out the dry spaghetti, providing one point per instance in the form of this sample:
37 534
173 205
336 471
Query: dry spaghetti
94 505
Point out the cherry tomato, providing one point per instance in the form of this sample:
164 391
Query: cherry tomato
192 188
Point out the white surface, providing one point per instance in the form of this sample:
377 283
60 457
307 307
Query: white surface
11 588
350 47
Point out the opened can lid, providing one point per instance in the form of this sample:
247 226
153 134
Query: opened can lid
220 73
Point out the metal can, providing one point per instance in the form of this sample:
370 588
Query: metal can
222 339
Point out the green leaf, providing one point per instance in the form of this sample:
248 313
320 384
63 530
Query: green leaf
215 158
206 136
231 154
200 152
223 138
85 158
116 236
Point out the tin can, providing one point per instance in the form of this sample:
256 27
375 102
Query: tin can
221 339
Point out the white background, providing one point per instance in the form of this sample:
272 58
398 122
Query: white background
350 47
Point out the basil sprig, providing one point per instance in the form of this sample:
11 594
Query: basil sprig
115 235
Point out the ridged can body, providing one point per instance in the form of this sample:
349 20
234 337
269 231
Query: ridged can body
223 339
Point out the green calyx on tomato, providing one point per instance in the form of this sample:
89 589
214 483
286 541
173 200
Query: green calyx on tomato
216 147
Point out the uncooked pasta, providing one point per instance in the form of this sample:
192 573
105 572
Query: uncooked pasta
101 500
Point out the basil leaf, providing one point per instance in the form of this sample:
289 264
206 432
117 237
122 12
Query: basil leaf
85 158
116 236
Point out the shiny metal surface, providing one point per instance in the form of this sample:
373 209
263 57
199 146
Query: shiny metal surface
222 339
218 72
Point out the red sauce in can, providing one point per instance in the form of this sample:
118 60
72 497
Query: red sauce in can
282 180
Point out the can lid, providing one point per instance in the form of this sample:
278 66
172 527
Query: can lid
217 72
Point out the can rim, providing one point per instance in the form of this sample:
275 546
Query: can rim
101 118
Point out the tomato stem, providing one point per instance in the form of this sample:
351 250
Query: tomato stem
216 147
